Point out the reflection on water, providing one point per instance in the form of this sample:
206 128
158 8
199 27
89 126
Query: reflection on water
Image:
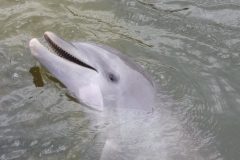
191 48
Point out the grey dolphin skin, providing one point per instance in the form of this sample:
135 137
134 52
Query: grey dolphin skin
98 75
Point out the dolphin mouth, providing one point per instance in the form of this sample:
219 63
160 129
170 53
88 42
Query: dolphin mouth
63 53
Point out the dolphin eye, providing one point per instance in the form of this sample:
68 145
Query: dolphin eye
112 78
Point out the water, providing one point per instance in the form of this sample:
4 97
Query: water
191 49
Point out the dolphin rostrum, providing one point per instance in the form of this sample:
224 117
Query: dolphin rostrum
98 75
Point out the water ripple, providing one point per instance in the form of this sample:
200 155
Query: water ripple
191 48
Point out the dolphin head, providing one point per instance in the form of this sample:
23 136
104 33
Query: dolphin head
98 75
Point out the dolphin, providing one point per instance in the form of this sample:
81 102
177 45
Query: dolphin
98 75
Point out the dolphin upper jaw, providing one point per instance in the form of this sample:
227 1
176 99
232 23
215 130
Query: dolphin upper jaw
36 48
48 58
61 48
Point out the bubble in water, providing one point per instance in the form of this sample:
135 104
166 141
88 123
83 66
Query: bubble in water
15 76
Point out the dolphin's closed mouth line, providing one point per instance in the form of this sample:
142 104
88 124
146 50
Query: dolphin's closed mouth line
62 53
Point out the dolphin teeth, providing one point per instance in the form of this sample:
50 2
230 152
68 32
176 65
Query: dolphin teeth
64 54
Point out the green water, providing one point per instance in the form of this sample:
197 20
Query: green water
190 47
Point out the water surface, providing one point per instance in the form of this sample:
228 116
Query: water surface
191 49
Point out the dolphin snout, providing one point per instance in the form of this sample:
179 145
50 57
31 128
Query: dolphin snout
32 44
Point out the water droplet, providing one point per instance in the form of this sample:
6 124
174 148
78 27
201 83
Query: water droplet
225 56
15 76
61 148
235 54
33 143
162 77
16 143
46 143
132 4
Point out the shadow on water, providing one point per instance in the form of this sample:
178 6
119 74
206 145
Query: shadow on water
38 81
37 78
